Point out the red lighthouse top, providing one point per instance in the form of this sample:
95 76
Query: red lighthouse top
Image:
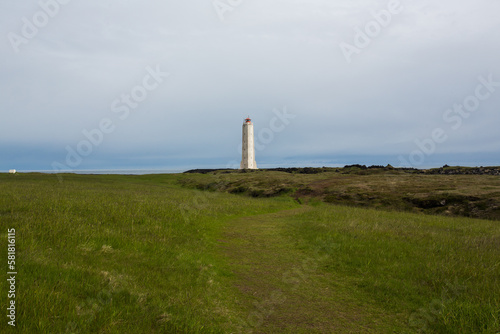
248 120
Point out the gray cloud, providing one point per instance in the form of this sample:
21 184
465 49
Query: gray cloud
264 55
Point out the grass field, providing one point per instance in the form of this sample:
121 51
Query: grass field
151 254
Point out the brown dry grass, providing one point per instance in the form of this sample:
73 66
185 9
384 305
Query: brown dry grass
476 196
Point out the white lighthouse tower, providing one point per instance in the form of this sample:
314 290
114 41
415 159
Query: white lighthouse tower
248 151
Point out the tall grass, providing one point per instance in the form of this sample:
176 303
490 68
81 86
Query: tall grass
141 254
120 254
442 273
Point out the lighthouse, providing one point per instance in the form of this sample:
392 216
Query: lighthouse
248 150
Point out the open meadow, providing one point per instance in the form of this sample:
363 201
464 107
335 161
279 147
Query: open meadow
260 252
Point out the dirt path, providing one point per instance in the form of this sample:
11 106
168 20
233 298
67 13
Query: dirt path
283 290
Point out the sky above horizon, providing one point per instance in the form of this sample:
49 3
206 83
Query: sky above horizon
167 84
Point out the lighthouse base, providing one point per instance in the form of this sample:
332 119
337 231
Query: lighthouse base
244 165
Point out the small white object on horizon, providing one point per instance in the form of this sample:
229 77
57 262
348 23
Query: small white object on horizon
12 171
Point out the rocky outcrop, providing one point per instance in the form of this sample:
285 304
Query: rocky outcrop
446 170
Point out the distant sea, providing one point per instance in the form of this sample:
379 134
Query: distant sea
111 171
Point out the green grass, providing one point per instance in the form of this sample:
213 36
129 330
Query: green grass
146 254
441 273
119 254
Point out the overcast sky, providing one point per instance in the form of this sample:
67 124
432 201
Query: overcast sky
167 84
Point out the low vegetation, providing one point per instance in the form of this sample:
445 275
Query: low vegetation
257 252
452 191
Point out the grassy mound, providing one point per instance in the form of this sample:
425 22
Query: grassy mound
432 191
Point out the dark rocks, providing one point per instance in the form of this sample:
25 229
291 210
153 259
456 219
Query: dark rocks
446 170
